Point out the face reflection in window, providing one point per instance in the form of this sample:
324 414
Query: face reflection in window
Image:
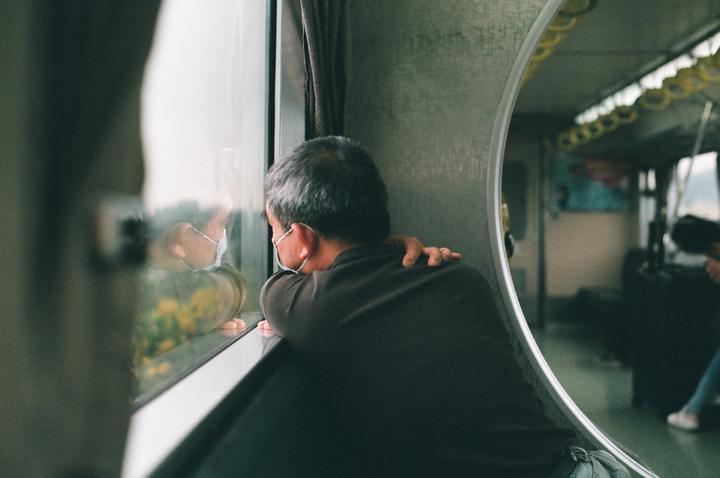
201 248
192 289
204 124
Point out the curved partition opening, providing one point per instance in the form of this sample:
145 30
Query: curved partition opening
521 69
635 98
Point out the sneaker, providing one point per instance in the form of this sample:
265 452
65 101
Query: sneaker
683 421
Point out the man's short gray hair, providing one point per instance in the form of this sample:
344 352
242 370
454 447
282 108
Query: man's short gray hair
332 185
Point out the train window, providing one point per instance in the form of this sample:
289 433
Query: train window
204 128
694 188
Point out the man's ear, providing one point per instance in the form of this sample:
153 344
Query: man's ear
307 238
175 243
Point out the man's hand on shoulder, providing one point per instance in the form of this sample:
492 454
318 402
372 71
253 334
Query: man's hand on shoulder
712 267
414 249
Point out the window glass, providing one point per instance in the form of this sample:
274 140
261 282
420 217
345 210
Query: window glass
204 129
701 194
700 198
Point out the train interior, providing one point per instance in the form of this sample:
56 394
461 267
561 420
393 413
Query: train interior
588 270
554 143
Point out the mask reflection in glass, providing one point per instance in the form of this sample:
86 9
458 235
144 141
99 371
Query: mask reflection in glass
221 247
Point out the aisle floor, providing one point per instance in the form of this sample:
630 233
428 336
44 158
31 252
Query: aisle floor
604 393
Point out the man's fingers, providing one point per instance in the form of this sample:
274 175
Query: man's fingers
414 249
412 246
411 256
435 256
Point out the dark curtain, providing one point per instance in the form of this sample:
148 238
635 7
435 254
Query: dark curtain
325 39
71 77
92 56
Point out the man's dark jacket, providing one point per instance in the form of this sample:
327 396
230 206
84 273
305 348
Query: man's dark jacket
416 366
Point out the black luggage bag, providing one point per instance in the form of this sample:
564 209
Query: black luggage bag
674 337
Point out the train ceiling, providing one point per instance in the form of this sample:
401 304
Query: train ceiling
611 46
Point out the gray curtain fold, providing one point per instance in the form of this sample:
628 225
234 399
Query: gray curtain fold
72 72
91 54
325 39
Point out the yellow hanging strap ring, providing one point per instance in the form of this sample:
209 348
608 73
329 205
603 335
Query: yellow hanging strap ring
542 53
594 129
551 38
610 123
691 80
580 135
531 70
708 69
565 141
625 114
562 23
654 99
575 8
675 89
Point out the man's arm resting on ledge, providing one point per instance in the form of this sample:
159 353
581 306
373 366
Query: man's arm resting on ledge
280 291
277 299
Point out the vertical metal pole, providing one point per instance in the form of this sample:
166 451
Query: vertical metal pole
681 185
542 207
658 226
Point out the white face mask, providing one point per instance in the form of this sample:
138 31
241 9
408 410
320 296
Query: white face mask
277 254
221 247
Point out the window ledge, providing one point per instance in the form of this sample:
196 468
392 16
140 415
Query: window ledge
160 425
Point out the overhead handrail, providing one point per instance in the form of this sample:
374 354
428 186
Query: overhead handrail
566 19
690 73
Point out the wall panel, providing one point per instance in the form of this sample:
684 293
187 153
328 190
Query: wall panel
426 83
